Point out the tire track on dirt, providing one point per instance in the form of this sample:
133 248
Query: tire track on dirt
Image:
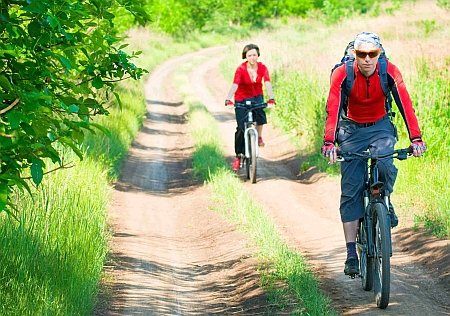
171 255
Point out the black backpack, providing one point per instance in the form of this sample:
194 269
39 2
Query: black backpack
348 59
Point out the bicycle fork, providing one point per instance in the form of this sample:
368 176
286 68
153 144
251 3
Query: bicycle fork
371 234
247 144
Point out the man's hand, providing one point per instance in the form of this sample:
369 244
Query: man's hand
271 103
229 103
329 151
418 147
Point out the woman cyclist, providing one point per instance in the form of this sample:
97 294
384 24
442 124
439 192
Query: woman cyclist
248 86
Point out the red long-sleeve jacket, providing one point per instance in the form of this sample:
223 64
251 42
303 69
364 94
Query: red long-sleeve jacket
366 102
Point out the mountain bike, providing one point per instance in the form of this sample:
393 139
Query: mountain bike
250 138
373 239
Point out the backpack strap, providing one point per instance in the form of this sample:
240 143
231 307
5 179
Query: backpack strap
382 70
350 76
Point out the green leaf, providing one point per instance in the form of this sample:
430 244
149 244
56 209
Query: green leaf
20 183
52 21
97 83
4 83
78 136
107 15
8 53
65 62
15 118
34 28
36 171
67 141
52 154
101 128
51 136
35 6
119 102
73 108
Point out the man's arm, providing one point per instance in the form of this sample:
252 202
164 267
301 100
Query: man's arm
404 104
334 104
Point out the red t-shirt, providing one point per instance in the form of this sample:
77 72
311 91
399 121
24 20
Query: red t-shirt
246 88
366 102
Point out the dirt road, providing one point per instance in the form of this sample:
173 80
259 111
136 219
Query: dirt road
173 256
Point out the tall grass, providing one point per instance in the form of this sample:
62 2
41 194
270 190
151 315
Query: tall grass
301 294
52 256
207 159
431 93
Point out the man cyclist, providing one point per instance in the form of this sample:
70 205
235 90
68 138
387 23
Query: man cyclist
365 124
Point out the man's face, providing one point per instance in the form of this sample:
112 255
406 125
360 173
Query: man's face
366 56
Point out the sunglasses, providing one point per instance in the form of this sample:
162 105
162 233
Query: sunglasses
363 54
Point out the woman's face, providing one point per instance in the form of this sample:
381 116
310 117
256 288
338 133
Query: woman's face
252 56
367 57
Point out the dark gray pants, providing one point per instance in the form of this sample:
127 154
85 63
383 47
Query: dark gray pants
379 138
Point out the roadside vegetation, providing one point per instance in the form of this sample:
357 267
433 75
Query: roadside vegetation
300 293
55 237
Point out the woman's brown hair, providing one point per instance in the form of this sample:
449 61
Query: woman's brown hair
249 47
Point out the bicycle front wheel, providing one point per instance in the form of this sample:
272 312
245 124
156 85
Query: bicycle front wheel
382 258
251 161
365 262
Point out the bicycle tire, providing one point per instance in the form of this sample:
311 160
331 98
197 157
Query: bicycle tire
365 262
382 255
252 159
247 167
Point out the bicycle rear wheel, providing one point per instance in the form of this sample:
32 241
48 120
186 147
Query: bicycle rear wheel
251 161
365 262
382 258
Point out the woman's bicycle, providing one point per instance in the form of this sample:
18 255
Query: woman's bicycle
250 138
373 239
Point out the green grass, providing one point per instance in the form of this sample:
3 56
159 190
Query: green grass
430 173
300 293
52 257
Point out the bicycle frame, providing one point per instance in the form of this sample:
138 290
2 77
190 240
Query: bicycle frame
374 235
249 124
373 193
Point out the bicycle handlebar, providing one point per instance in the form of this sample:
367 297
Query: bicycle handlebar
251 106
400 154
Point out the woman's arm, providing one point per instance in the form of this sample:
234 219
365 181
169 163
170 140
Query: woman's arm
232 91
269 89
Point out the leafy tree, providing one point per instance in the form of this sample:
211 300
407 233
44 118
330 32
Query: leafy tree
59 60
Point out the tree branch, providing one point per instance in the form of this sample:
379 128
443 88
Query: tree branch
71 165
9 107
